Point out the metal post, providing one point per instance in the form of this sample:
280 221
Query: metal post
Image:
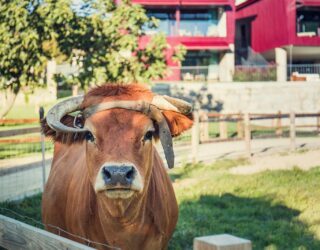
247 134
292 131
195 134
41 116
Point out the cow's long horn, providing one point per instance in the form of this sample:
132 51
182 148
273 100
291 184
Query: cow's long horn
164 134
61 109
183 106
172 104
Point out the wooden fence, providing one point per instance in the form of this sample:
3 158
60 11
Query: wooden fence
17 235
200 131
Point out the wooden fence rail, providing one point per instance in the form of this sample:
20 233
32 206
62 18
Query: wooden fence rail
17 235
18 121
244 126
20 131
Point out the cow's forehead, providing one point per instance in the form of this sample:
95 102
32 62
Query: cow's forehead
117 93
118 118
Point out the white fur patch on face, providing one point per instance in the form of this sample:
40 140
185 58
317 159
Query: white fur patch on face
118 192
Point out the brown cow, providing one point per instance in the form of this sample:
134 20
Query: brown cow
107 182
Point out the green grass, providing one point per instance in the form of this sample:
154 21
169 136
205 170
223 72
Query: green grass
23 149
29 110
28 210
275 210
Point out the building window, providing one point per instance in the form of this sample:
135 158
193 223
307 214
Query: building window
200 65
200 58
308 21
167 22
199 23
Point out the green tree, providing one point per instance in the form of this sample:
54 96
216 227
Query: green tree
109 48
102 37
28 38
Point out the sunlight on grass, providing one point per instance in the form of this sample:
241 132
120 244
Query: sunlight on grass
274 209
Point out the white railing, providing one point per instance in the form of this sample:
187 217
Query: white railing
196 73
304 72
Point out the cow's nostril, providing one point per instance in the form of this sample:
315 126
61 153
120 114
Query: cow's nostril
129 175
106 173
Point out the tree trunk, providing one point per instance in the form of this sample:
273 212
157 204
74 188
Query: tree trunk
9 97
75 90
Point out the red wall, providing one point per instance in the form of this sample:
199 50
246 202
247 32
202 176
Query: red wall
274 24
195 43
183 2
269 28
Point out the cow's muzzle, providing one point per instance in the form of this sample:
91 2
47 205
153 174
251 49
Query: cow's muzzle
118 180
115 176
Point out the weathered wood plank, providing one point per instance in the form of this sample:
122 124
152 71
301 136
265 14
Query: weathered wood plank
247 134
17 235
221 242
292 131
18 121
195 137
20 131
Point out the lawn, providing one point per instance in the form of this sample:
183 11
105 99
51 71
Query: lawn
276 210
29 110
10 150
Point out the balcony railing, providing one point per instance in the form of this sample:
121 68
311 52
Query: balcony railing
195 73
252 73
304 72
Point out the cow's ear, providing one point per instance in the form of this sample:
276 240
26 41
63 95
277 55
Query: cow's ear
178 123
62 137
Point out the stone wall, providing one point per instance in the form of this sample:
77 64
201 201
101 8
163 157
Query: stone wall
264 97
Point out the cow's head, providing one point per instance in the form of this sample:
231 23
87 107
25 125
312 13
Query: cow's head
118 124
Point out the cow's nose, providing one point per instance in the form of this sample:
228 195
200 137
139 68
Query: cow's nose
115 175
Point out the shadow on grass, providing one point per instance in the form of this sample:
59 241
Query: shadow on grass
267 225
28 210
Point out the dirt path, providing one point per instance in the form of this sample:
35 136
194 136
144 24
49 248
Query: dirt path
301 159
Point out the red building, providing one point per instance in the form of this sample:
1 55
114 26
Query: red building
283 31
205 27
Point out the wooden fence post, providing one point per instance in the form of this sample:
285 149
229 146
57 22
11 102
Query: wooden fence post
44 176
292 131
240 126
204 126
318 123
195 135
223 128
279 125
247 134
221 242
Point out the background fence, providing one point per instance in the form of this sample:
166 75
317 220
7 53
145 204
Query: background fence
23 168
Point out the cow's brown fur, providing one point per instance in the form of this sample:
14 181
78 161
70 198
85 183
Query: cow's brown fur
145 221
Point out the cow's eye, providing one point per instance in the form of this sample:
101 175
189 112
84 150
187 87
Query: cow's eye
89 136
148 135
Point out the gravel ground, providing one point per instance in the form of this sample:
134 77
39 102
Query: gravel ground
303 159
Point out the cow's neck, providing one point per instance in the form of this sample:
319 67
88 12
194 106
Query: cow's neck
123 211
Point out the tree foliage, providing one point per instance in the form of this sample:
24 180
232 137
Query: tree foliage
109 48
103 38
28 38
